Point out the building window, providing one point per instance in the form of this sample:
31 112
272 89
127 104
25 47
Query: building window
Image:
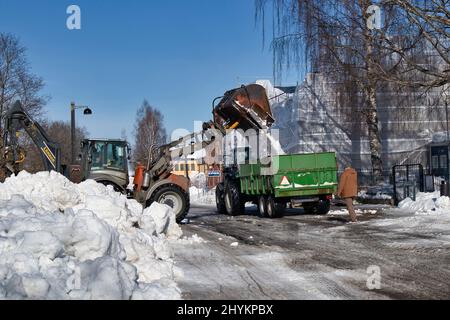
444 161
435 162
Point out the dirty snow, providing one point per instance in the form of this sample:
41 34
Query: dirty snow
358 212
59 240
316 257
194 239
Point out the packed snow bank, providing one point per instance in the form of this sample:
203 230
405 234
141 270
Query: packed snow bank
59 240
427 203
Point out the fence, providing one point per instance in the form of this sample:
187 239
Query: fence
408 179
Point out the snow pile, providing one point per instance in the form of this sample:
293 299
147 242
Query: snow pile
427 203
59 240
198 179
202 196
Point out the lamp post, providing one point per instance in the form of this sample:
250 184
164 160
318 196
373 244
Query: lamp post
73 107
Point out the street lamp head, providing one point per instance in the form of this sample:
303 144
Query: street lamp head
87 112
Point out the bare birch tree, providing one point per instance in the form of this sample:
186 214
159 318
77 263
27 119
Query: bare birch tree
149 132
428 25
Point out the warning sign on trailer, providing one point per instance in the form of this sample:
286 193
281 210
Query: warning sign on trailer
285 181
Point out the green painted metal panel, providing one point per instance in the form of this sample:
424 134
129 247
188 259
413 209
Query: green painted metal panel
294 175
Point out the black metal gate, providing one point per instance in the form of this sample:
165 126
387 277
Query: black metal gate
408 180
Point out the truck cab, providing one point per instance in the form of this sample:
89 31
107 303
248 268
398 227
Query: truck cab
106 161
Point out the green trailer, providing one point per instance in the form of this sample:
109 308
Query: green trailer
309 180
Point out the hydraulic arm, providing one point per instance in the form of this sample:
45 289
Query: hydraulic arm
244 108
11 154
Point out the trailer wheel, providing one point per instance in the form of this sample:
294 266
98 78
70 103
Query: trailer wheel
220 200
175 198
262 206
233 202
321 207
274 210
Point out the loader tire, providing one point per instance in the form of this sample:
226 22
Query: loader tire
234 204
174 197
220 199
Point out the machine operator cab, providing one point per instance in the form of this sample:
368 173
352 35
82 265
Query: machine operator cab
106 161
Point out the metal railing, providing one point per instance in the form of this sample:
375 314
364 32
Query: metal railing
407 180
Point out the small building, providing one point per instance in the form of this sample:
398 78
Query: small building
194 167
190 166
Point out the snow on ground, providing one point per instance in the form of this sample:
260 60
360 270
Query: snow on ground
343 212
59 240
194 239
427 217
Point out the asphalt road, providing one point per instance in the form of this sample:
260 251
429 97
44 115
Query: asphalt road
313 257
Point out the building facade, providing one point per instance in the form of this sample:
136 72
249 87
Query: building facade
310 120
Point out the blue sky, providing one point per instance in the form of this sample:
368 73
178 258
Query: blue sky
177 54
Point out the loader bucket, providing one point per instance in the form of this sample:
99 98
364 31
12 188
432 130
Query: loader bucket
244 108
